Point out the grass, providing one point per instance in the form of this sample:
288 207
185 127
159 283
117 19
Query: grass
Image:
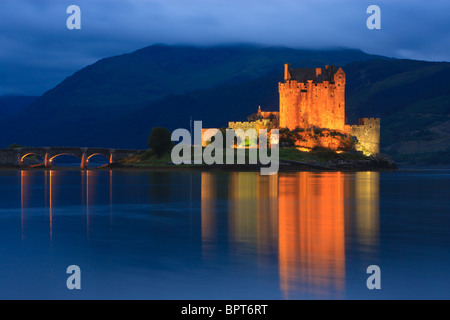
150 159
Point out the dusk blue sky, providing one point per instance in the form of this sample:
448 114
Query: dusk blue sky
37 51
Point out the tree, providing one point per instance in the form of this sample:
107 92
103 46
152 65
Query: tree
14 146
160 141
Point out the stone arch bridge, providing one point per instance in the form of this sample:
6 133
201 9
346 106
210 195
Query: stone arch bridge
15 157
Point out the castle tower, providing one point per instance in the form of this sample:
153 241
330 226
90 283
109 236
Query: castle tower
312 98
367 132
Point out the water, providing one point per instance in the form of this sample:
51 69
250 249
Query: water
194 235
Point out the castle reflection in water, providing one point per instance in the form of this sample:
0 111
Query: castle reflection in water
300 217
301 222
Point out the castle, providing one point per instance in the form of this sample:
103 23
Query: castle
315 99
312 98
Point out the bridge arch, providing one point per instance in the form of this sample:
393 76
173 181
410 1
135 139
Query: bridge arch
100 154
52 157
63 154
107 156
22 157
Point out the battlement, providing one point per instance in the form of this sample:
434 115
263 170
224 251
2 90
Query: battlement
369 121
236 123
330 74
248 123
309 85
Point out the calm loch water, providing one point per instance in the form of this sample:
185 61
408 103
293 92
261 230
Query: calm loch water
212 235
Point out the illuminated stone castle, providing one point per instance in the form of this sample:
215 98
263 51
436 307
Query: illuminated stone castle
315 99
312 98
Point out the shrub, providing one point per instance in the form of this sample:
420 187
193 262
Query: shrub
160 141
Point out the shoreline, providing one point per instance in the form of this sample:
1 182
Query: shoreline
290 160
285 166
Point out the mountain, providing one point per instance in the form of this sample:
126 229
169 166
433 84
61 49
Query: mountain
87 107
116 101
412 98
11 105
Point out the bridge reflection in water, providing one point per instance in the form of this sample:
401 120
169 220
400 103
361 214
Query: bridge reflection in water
54 185
303 218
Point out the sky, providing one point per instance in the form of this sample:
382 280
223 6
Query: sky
38 51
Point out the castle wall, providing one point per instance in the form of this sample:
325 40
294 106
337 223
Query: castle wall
368 134
267 124
207 134
313 104
258 124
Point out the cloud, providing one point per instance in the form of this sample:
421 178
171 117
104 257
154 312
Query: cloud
37 51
